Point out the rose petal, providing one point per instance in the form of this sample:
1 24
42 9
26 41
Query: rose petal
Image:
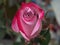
39 10
24 36
15 25
38 24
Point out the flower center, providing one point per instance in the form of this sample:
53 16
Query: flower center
28 14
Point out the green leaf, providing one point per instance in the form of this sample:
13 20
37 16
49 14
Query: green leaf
1 13
1 1
19 40
17 5
2 32
44 37
16 43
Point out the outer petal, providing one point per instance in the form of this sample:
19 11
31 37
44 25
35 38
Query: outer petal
16 28
24 36
15 25
18 20
18 15
39 10
37 26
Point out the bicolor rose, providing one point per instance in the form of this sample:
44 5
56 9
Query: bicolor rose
28 20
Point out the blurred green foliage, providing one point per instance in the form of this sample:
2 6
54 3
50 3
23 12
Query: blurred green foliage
44 37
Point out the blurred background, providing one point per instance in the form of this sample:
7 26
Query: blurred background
8 9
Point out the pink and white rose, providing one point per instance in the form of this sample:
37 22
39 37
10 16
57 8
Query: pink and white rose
28 20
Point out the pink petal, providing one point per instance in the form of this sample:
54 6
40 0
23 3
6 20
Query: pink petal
37 26
38 8
27 28
15 25
24 36
16 29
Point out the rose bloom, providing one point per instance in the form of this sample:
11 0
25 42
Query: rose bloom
28 20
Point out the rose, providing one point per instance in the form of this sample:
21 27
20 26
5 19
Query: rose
28 20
